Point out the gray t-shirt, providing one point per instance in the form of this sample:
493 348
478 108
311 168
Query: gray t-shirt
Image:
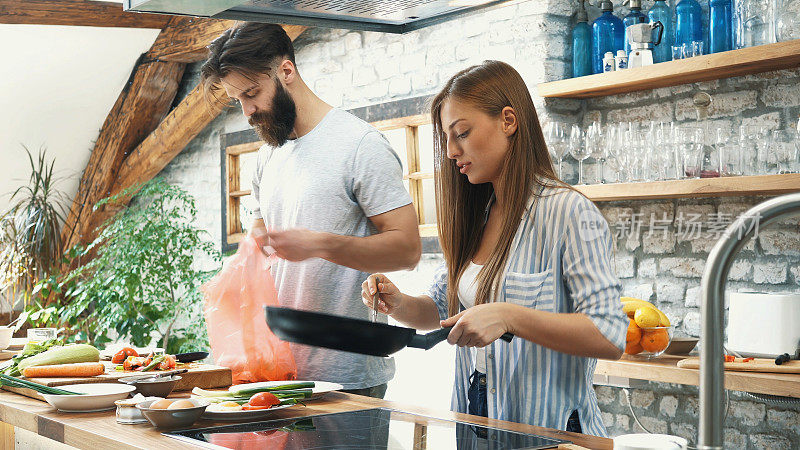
331 179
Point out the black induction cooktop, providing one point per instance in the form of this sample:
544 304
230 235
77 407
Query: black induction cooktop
378 428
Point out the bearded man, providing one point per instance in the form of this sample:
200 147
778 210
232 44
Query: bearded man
330 194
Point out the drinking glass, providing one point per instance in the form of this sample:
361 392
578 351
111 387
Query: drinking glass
691 142
664 145
697 48
614 158
749 136
730 159
596 149
783 151
557 141
677 52
39 335
577 149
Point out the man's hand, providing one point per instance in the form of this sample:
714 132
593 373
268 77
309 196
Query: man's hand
295 245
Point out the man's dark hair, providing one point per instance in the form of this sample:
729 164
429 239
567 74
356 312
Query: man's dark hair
249 48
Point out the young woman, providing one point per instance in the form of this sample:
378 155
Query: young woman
524 254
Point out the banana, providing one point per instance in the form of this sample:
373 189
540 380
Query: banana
630 305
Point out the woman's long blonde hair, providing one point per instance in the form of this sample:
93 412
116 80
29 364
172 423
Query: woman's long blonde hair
460 206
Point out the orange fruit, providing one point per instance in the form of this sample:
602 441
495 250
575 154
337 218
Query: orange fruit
633 348
655 340
634 332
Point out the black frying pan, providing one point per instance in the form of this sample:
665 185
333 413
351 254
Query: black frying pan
350 335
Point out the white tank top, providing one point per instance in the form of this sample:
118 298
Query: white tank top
467 291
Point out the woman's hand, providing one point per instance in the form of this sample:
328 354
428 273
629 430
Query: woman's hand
478 326
390 297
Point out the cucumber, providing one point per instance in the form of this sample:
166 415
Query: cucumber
66 354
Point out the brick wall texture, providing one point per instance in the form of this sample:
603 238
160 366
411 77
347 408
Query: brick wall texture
661 260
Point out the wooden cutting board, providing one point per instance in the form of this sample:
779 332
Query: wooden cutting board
200 375
756 365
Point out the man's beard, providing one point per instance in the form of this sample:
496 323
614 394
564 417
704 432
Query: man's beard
275 126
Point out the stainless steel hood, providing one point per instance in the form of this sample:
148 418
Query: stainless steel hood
392 16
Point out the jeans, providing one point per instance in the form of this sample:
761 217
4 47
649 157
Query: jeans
375 391
477 404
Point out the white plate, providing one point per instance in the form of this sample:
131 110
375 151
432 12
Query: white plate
241 415
320 387
97 397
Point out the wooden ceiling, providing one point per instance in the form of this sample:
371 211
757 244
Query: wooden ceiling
141 135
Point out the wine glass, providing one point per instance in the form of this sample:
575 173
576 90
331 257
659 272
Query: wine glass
557 141
596 149
577 149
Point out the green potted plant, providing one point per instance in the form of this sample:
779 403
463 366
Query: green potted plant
30 232
143 283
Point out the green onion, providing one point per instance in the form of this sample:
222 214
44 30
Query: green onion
282 387
20 383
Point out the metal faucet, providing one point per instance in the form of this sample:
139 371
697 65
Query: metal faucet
715 277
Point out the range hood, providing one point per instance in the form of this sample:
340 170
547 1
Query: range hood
392 16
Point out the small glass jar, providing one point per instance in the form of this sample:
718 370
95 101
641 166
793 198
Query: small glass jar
38 335
128 413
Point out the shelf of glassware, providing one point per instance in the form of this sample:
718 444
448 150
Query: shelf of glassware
734 63
701 187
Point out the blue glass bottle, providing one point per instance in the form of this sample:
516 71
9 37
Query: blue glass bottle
608 34
582 45
720 26
689 23
660 12
634 16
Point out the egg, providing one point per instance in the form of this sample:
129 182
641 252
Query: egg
181 404
225 406
164 403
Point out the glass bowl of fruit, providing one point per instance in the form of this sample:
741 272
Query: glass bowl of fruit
649 330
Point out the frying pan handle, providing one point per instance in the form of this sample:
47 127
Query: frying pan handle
434 337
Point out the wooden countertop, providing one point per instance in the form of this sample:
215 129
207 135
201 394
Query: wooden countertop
665 369
100 430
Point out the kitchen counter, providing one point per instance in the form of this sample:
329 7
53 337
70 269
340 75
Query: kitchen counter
664 368
100 430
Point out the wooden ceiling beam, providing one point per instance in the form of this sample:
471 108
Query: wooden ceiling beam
83 13
144 101
189 38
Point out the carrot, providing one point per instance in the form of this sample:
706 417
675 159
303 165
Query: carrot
88 369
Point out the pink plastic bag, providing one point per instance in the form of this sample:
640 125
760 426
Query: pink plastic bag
234 312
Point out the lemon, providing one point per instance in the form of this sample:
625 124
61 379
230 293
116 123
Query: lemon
646 317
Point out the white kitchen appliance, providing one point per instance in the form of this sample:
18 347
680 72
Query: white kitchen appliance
640 38
764 325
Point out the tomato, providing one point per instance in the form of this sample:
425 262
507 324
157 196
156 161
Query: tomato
123 354
747 359
168 363
249 407
730 358
264 399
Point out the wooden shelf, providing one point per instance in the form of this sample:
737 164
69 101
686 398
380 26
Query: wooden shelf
702 187
734 63
665 369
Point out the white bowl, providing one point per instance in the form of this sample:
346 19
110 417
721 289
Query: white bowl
5 336
97 397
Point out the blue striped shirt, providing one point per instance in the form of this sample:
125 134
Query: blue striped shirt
560 261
